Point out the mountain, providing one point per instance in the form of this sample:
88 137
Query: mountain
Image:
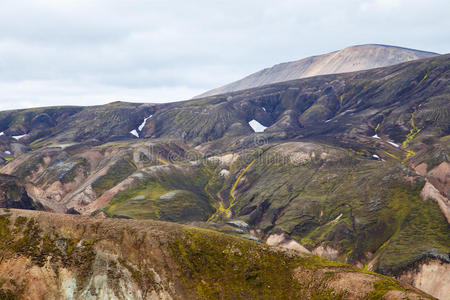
352 167
51 256
355 58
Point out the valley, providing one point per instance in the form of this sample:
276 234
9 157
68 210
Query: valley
353 167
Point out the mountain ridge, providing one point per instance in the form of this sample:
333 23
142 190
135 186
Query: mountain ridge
353 58
351 166
51 256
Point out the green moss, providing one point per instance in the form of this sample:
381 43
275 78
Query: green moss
146 199
20 221
28 166
81 167
383 286
217 266
143 202
422 231
25 237
8 295
424 77
115 174
412 132
4 226
381 212
315 113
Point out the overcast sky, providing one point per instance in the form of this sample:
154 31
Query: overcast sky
84 52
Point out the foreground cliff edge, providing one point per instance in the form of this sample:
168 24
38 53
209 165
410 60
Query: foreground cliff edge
55 256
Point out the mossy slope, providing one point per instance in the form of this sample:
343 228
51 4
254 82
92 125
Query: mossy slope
164 259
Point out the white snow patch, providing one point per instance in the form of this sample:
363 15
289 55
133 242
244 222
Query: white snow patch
18 137
327 121
256 126
135 133
394 144
264 109
143 123
62 146
375 156
8 152
2 133
224 173
169 195
376 136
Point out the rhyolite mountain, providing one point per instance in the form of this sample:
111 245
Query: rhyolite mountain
54 256
350 59
353 167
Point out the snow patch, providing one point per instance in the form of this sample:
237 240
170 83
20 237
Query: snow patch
18 137
62 146
2 133
169 195
143 123
256 126
327 121
376 136
8 152
135 133
224 173
264 109
394 144
239 224
375 156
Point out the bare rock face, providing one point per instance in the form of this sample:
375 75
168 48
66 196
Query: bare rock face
429 191
14 195
440 178
281 240
437 186
432 277
356 58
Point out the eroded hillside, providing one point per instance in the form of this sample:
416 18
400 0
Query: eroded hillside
51 256
353 167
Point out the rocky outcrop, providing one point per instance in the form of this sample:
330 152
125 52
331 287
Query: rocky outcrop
327 252
430 191
14 195
431 276
281 240
437 186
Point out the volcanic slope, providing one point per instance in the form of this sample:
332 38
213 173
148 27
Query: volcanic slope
51 256
354 167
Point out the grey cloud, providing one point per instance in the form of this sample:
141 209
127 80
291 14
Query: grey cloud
172 50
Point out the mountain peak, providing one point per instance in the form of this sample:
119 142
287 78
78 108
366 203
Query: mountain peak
350 59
